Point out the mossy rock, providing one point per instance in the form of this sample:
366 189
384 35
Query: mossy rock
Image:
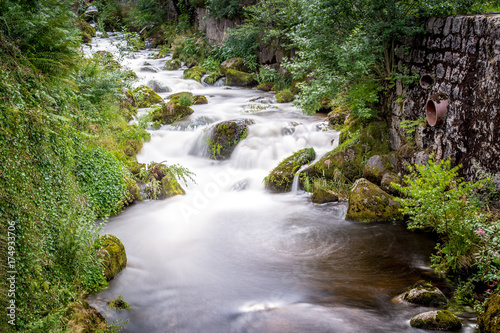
266 86
284 97
225 136
191 62
237 64
321 196
133 190
376 167
386 183
369 203
118 304
105 59
135 168
349 156
146 97
212 78
439 320
113 254
170 113
199 99
175 98
239 79
173 64
170 187
281 178
86 30
489 320
130 74
84 319
195 73
337 116
424 293
128 104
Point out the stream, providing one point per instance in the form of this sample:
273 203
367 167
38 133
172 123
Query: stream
229 256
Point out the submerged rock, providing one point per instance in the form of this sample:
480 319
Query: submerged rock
170 113
281 178
368 202
237 64
113 254
321 196
173 64
225 136
439 320
195 73
489 319
239 79
146 97
425 294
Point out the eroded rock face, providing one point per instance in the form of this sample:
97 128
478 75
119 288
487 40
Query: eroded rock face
489 320
425 294
368 202
225 136
440 320
113 254
281 178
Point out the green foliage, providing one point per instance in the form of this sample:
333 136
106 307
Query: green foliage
185 99
224 8
410 126
338 183
239 44
439 201
118 303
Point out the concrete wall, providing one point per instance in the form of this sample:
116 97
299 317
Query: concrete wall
463 55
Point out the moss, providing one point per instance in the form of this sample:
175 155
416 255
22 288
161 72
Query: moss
284 97
225 136
440 320
281 178
266 86
376 167
367 203
489 319
350 156
170 187
237 64
86 30
199 99
195 73
170 113
424 293
133 190
239 79
145 97
105 59
173 64
128 104
321 195
84 319
118 303
212 78
113 254
338 116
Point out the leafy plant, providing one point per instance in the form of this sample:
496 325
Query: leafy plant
409 126
186 99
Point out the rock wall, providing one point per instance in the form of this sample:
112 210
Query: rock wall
216 29
462 55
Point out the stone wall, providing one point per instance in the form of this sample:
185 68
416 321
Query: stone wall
462 53
216 29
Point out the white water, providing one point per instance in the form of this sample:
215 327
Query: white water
230 257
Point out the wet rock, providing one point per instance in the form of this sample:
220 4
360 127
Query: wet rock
281 178
170 113
146 97
225 136
424 294
173 64
237 64
195 73
323 196
266 86
386 183
212 78
170 187
105 59
439 320
376 167
113 254
239 79
369 203
284 97
199 99
85 319
189 98
337 116
151 69
489 319
158 87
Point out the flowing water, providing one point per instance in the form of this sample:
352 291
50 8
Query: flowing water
230 257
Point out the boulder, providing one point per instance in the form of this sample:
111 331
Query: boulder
225 136
281 178
266 86
195 73
146 97
113 254
212 78
158 87
199 99
386 184
321 196
489 320
439 320
348 157
105 59
237 64
376 167
170 187
170 113
239 79
151 69
368 203
173 64
425 294
337 116
85 319
195 99
284 97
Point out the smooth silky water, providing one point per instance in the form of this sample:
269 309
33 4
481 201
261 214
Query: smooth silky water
230 257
